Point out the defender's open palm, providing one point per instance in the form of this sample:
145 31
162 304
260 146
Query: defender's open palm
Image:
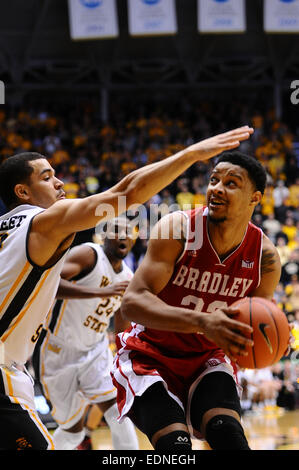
213 146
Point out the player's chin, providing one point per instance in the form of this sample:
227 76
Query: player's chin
216 218
122 253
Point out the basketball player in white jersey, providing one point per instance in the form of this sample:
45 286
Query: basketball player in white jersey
73 360
35 234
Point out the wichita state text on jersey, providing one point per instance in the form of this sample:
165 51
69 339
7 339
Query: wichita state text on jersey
82 323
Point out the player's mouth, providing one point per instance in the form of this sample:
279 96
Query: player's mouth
214 203
122 246
61 195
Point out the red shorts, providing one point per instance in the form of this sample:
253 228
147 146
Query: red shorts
138 365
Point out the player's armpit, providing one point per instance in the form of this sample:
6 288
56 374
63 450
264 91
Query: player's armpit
120 323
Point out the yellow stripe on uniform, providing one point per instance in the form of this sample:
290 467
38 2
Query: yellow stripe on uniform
40 426
22 313
15 284
84 404
9 384
101 394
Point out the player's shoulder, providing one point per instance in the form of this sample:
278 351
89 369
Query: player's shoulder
268 245
86 252
170 226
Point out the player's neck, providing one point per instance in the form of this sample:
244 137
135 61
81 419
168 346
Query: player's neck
116 263
226 237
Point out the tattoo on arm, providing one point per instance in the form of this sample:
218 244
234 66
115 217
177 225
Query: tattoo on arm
268 262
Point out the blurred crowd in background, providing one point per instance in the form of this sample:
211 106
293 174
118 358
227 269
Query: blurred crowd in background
90 156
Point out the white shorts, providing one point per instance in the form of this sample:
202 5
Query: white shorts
73 379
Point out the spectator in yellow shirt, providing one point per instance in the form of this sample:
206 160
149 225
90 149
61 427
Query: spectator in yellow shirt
290 229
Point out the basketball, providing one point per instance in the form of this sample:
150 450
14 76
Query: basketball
270 332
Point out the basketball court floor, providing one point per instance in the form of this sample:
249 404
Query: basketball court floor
270 428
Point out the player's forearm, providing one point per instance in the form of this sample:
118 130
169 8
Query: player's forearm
140 185
68 290
136 188
148 310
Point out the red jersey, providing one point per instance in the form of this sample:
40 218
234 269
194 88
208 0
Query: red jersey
204 282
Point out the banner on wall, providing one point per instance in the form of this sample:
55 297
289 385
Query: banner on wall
92 19
281 16
152 17
221 16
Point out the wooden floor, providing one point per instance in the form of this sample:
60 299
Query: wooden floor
267 429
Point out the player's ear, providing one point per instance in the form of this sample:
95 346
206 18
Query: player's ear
256 198
21 191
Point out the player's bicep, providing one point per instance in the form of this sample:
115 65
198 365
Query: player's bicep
153 274
70 270
158 264
80 259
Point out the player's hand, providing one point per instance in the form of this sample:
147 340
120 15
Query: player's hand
291 340
213 146
114 289
229 335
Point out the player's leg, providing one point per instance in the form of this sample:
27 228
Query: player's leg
69 438
162 419
215 411
20 423
123 434
96 385
22 429
58 376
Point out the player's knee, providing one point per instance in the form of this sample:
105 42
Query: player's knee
65 440
224 432
176 441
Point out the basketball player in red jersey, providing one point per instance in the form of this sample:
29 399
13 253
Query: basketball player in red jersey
35 235
175 369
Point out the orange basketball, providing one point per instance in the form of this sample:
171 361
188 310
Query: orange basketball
270 332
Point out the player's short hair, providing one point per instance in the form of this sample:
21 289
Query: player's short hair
15 170
255 170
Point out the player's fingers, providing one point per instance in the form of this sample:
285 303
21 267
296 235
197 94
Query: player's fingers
231 312
239 130
238 340
229 146
233 351
235 325
234 140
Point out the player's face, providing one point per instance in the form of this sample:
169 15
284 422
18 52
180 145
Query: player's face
230 193
44 188
119 240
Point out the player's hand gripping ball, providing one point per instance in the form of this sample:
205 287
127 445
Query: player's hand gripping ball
270 334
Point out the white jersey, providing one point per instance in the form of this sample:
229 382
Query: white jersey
81 324
27 291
